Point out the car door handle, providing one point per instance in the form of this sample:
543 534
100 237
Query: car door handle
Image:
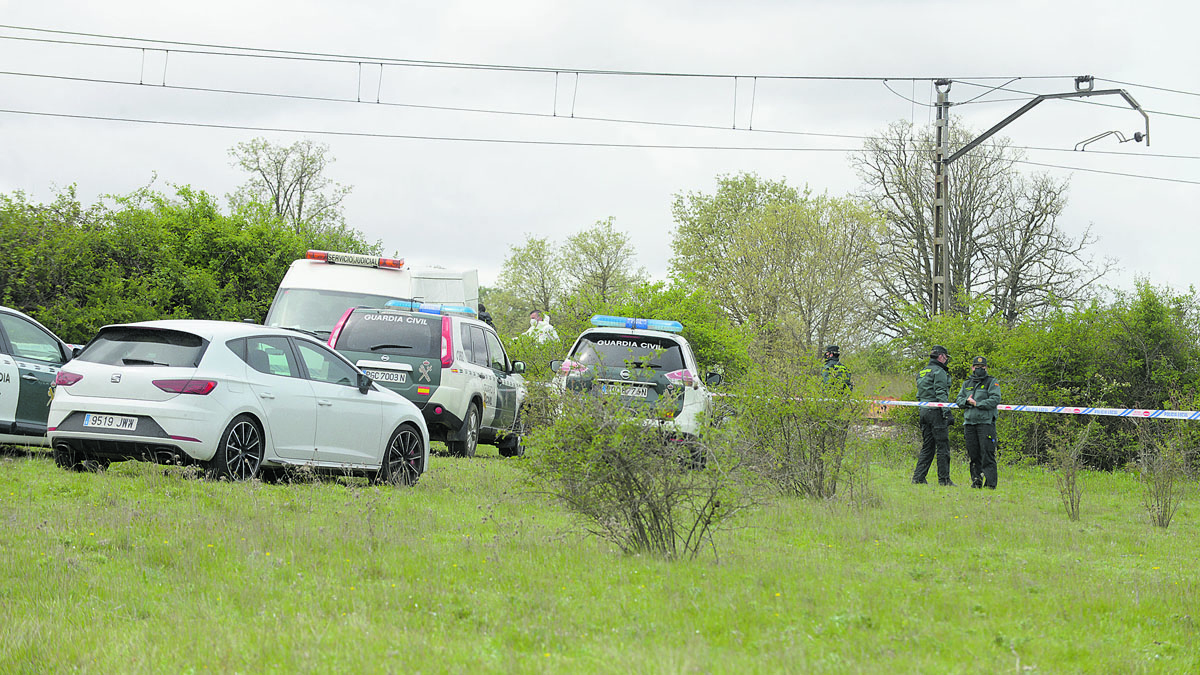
324 401
29 376
266 394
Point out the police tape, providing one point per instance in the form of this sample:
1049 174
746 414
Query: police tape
1062 410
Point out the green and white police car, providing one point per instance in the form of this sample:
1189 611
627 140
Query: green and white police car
448 363
644 363
30 357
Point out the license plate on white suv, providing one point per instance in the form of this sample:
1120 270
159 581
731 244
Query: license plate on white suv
631 391
387 376
110 422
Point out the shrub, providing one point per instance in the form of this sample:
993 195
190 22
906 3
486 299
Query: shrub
632 484
797 429
1162 465
1068 456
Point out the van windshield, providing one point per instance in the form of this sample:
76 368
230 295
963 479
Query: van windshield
316 311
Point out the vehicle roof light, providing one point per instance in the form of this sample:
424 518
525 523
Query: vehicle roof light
339 258
430 308
603 321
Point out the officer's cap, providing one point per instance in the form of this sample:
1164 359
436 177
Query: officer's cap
833 349
979 361
937 351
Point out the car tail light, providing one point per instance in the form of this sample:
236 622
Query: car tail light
337 328
200 387
66 379
447 343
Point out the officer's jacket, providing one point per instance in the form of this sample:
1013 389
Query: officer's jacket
933 382
986 392
833 372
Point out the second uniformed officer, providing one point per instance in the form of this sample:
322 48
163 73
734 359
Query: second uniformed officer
979 397
833 372
933 385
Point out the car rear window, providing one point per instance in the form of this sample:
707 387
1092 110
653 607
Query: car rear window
395 333
145 347
636 351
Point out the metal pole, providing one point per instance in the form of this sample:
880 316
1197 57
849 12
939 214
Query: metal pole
941 257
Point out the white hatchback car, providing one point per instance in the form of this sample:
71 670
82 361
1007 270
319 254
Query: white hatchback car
241 400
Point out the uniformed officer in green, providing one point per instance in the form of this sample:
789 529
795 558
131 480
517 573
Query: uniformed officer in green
978 399
933 385
833 372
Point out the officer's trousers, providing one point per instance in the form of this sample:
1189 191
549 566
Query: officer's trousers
935 435
981 450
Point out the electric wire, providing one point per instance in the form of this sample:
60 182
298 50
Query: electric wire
1109 173
419 137
1082 100
906 98
519 113
1150 86
515 141
231 50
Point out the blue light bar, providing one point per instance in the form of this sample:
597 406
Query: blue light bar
602 321
430 307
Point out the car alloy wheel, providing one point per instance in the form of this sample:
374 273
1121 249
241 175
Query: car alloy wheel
240 452
402 462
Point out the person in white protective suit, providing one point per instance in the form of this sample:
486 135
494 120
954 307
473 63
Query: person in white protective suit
540 328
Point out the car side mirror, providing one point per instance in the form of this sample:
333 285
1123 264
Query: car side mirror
712 379
518 367
556 365
364 383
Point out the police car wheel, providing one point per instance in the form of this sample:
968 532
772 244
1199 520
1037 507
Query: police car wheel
467 446
402 458
240 452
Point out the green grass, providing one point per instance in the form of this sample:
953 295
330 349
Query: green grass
144 570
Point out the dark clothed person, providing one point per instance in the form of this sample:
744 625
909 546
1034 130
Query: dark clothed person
933 385
978 398
833 372
485 316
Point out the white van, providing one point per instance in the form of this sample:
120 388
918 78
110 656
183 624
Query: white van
319 288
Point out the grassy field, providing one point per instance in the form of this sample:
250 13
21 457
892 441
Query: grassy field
144 570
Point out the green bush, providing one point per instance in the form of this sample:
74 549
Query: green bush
798 429
629 483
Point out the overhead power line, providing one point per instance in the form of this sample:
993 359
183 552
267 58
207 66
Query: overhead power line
518 141
1080 101
529 114
234 50
1150 86
419 137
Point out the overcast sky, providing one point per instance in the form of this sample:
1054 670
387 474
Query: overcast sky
460 203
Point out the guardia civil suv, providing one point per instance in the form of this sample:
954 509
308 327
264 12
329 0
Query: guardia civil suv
643 362
448 363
